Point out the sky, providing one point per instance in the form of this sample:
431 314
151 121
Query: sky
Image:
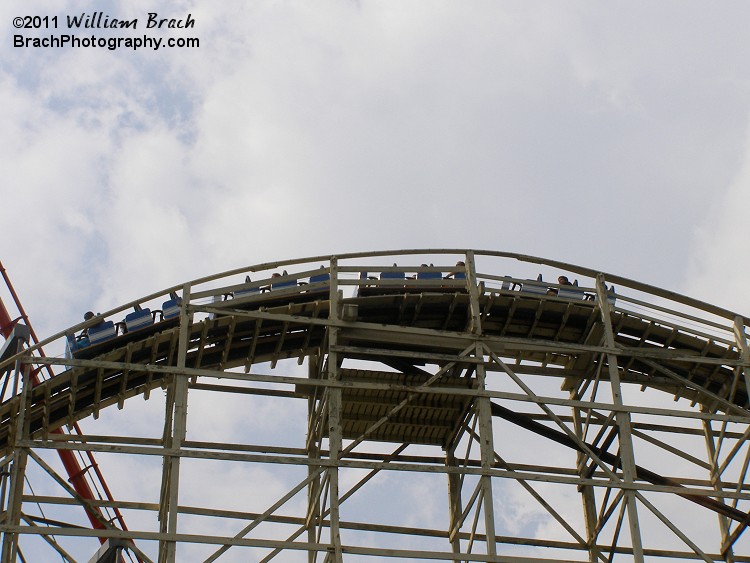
610 135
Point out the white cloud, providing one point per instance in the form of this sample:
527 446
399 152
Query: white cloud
612 137
718 268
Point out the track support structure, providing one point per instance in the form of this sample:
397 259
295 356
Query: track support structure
423 405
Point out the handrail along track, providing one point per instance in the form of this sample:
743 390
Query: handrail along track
661 340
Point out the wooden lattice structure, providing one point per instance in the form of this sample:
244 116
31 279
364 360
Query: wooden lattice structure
538 420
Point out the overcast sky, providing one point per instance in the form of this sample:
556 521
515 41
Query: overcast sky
611 135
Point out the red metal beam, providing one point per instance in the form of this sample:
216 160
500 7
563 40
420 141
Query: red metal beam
6 323
76 474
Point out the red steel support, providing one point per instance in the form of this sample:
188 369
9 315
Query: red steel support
76 474
6 324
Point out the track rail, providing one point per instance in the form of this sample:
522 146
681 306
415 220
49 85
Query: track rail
411 315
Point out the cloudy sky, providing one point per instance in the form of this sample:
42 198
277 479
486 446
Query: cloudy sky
613 136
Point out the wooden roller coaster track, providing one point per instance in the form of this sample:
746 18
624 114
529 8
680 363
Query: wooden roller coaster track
405 355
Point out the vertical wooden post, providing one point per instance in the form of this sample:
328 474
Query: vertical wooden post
175 433
740 338
475 325
454 503
622 419
18 464
716 483
588 497
487 454
314 517
484 412
334 415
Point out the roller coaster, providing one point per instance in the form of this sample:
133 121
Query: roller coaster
416 405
